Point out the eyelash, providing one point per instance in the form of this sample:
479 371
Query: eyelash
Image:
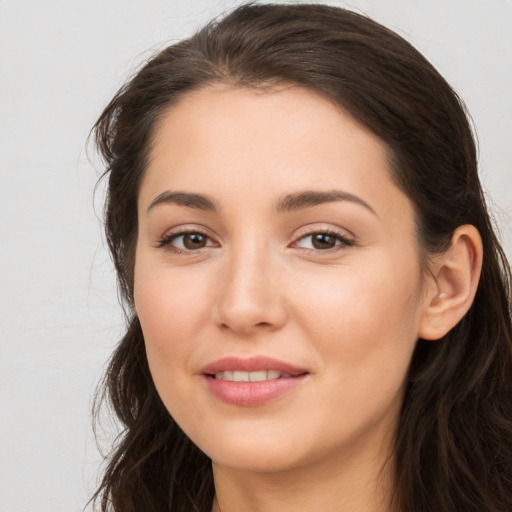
341 241
166 241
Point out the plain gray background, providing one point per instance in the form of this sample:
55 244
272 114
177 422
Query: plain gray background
60 62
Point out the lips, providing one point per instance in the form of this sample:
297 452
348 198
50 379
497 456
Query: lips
258 376
251 381
251 364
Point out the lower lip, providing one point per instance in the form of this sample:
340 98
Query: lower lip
251 394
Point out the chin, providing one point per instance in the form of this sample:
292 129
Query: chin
256 460
251 451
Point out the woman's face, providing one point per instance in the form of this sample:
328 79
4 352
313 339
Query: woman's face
277 279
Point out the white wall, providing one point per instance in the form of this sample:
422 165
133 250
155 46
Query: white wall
60 62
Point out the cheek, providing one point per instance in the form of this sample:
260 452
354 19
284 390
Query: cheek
171 307
364 329
364 321
359 299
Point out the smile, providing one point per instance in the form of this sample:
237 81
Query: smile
258 376
253 381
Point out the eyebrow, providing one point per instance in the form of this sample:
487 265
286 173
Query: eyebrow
309 198
188 199
289 203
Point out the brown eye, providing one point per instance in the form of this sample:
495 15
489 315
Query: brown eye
323 241
194 241
186 241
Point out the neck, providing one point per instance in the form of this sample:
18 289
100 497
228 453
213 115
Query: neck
362 484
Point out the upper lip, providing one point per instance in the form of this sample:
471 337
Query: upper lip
251 364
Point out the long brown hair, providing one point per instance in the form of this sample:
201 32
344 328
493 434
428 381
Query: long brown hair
453 443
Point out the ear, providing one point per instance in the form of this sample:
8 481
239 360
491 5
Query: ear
455 277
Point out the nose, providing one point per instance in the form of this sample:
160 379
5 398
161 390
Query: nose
251 295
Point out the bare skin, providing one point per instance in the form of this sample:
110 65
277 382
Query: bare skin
269 225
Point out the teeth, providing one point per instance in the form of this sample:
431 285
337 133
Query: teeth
238 376
259 376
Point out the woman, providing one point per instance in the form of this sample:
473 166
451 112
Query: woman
319 308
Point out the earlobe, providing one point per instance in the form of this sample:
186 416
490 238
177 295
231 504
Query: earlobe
456 274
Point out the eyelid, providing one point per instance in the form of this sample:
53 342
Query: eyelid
165 241
321 227
346 238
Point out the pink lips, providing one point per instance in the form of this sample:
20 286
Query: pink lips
251 394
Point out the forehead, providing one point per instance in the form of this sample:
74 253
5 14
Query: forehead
259 142
250 118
